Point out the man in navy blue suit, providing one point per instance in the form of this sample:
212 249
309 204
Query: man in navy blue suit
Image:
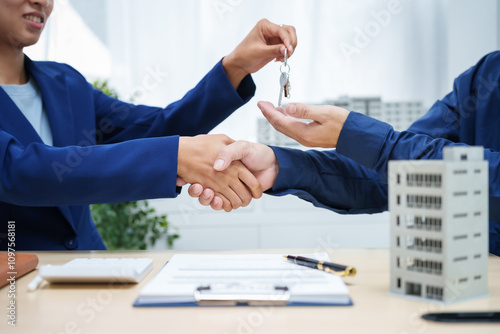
65 145
353 178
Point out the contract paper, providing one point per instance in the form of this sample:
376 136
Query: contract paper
176 282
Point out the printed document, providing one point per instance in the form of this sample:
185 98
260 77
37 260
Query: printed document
184 273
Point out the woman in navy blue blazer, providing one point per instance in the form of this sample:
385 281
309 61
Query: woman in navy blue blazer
65 145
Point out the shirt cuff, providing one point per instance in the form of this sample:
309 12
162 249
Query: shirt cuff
291 163
362 139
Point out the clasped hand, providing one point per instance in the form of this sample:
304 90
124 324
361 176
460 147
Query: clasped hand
233 187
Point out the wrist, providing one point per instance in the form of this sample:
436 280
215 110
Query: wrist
181 154
234 72
276 168
272 168
339 117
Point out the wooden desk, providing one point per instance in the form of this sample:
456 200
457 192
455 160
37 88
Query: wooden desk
108 309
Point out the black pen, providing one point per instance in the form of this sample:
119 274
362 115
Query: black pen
328 267
463 317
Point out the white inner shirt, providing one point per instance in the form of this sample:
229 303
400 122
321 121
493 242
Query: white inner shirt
28 99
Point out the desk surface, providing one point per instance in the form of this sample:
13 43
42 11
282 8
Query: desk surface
105 309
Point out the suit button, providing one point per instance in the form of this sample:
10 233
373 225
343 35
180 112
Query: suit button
71 242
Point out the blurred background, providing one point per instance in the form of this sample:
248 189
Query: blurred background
391 59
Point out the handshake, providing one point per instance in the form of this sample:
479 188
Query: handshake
223 173
226 174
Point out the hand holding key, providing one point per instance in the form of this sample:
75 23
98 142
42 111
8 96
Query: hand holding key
265 42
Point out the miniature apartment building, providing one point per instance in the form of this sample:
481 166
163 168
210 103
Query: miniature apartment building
439 226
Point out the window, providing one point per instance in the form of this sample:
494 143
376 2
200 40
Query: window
433 292
413 289
424 244
428 223
427 180
424 266
410 221
420 201
410 241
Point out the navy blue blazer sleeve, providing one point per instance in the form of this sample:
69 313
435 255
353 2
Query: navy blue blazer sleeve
198 112
137 158
469 115
329 180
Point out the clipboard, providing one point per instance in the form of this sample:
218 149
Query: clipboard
222 280
242 295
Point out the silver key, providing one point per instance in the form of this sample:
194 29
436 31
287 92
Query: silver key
283 84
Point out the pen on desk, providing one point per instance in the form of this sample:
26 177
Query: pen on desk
463 316
322 265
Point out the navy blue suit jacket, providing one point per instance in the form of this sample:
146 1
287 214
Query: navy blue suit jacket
104 150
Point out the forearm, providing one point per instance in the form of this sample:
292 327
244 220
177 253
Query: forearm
211 101
234 73
39 175
330 181
373 144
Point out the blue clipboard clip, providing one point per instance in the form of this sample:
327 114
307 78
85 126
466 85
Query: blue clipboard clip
241 294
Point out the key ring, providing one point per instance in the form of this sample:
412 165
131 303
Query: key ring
285 64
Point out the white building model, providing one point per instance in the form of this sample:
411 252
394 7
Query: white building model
439 226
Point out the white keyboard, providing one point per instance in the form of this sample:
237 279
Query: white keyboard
97 270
